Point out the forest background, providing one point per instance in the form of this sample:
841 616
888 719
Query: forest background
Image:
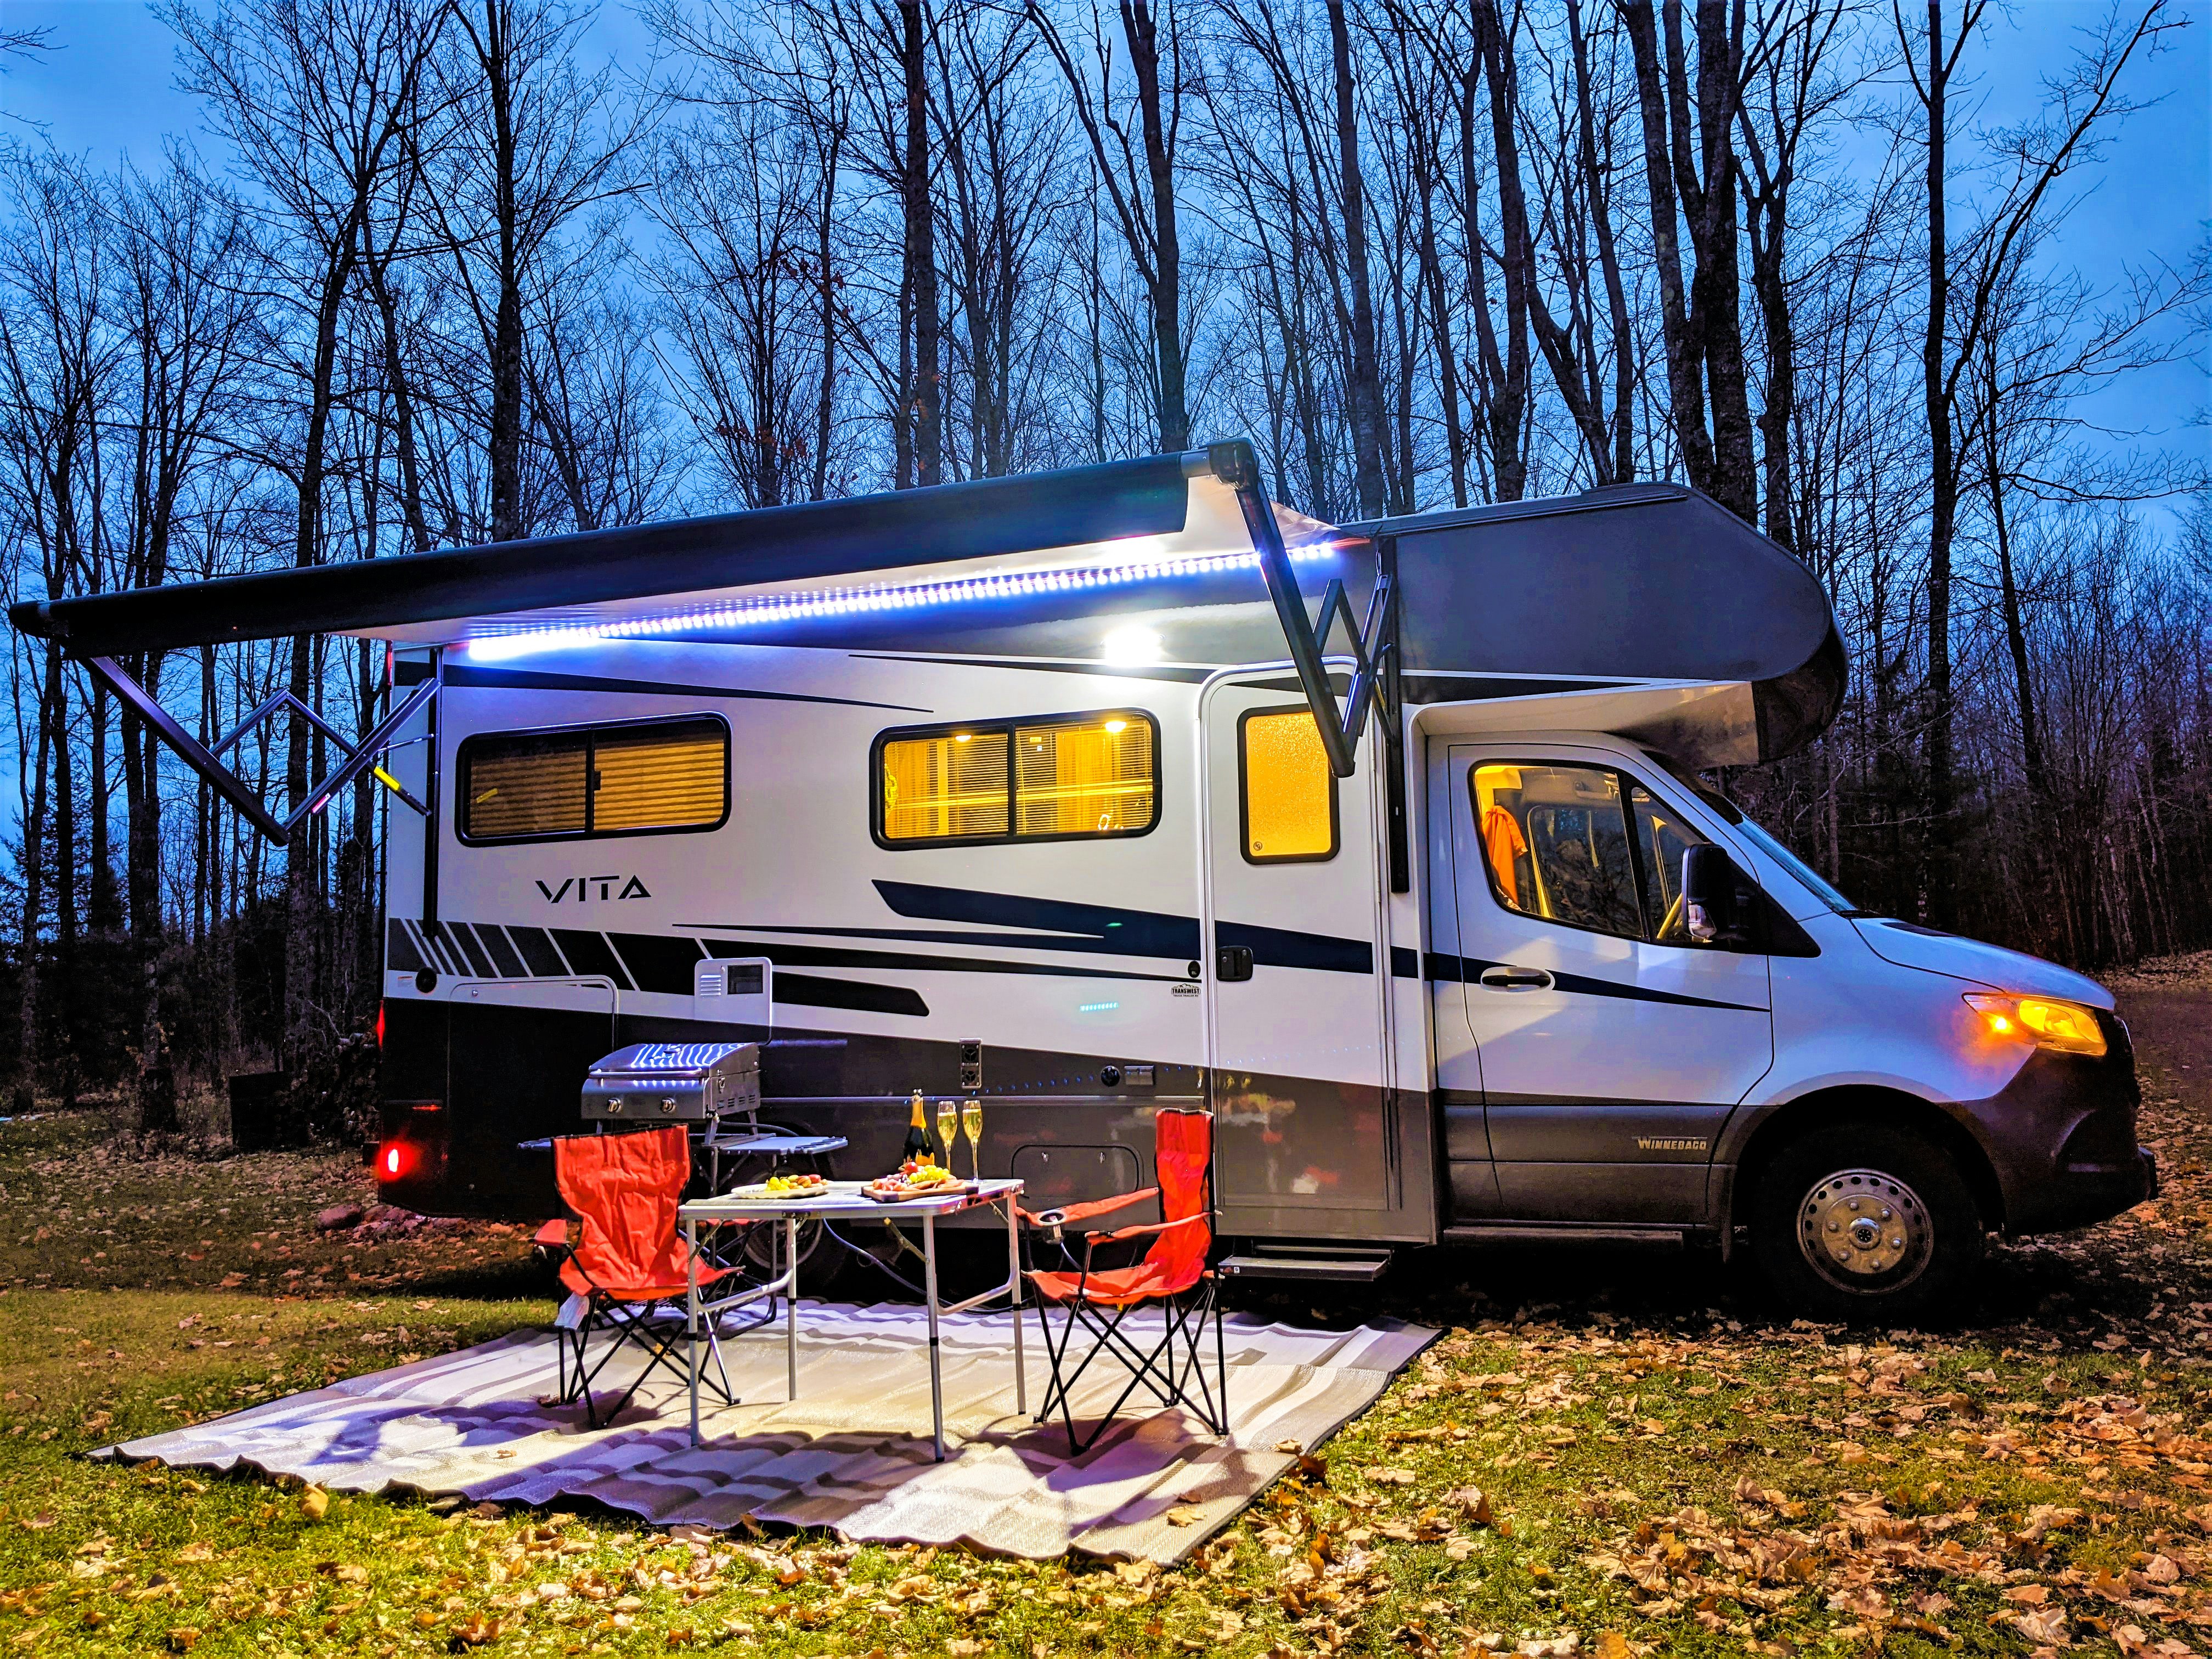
381 276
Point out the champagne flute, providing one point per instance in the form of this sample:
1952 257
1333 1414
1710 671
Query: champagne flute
948 1120
971 1123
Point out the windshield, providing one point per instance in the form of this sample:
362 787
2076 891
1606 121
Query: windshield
1797 867
1766 843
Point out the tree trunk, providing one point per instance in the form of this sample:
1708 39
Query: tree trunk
1141 28
929 383
301 898
1365 393
1943 493
1685 365
34 866
506 314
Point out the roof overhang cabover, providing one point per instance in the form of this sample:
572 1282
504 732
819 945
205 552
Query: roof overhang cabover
1636 582
1056 543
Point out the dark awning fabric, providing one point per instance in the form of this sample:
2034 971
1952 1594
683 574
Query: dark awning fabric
987 519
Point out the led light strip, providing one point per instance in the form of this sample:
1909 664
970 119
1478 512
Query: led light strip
859 601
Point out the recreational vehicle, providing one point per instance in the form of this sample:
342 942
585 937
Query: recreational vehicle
1092 792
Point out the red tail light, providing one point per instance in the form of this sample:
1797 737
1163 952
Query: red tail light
395 1160
380 1026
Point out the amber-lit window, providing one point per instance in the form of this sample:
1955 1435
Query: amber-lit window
1289 793
948 786
1583 846
1033 780
639 778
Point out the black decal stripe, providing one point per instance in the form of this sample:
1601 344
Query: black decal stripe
1405 963
1282 947
935 936
538 952
479 949
1180 676
496 941
400 955
587 953
1120 932
814 955
439 953
659 962
1452 969
538 679
460 945
812 991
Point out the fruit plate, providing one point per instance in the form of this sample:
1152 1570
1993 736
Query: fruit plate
758 1191
897 1195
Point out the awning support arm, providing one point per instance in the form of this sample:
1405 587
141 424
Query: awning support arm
1238 465
208 762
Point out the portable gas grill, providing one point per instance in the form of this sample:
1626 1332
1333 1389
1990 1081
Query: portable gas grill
716 1085
673 1082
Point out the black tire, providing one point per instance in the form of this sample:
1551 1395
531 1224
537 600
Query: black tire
1863 1221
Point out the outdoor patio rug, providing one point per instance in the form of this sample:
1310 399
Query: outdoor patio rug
852 1453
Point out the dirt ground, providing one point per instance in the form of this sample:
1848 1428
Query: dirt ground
1605 1453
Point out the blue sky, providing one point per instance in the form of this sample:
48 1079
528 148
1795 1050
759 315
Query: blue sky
108 90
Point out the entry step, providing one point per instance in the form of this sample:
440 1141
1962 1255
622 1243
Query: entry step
1334 1266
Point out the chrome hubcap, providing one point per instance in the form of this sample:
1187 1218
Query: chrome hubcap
1858 1227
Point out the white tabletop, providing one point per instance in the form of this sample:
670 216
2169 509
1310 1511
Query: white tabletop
843 1198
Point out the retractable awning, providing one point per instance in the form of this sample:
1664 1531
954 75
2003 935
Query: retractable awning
763 573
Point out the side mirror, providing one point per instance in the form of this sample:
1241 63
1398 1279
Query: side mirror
1718 900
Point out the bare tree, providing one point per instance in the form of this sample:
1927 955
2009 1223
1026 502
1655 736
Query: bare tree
1142 192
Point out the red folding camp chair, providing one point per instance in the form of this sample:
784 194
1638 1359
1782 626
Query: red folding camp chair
629 1261
1173 1273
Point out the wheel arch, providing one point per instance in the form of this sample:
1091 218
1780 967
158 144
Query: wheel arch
1868 1104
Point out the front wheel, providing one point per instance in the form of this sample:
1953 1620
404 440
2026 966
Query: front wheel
1865 1221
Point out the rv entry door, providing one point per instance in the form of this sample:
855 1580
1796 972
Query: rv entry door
1309 1137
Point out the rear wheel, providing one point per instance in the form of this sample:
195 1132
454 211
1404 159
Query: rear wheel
1866 1221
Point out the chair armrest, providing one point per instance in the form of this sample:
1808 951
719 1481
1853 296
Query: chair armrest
549 1244
1098 1206
1121 1233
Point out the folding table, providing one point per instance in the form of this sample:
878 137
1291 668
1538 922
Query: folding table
842 1200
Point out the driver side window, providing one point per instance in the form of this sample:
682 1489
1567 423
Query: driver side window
1586 846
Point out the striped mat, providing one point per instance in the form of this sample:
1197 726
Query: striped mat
852 1453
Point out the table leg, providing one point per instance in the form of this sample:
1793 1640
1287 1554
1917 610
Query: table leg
791 1305
1014 1276
929 1291
691 1315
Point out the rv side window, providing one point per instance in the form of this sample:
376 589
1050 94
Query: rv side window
1287 792
639 778
1583 846
1055 778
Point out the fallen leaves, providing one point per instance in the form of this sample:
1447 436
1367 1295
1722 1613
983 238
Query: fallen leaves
314 1503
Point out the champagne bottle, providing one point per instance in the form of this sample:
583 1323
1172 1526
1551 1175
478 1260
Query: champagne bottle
917 1133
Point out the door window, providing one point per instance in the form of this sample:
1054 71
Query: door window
1586 846
1288 793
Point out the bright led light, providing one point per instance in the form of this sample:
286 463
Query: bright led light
1132 644
1143 644
1112 727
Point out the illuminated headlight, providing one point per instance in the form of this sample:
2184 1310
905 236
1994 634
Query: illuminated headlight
2066 1026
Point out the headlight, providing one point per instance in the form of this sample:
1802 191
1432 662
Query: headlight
2066 1026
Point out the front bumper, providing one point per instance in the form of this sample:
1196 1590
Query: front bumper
2061 1138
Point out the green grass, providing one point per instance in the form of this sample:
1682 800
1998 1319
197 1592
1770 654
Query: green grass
1664 1463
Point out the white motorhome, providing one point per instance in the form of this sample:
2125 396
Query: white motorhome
1052 791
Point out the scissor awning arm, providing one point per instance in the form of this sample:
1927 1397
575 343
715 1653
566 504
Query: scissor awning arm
208 762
